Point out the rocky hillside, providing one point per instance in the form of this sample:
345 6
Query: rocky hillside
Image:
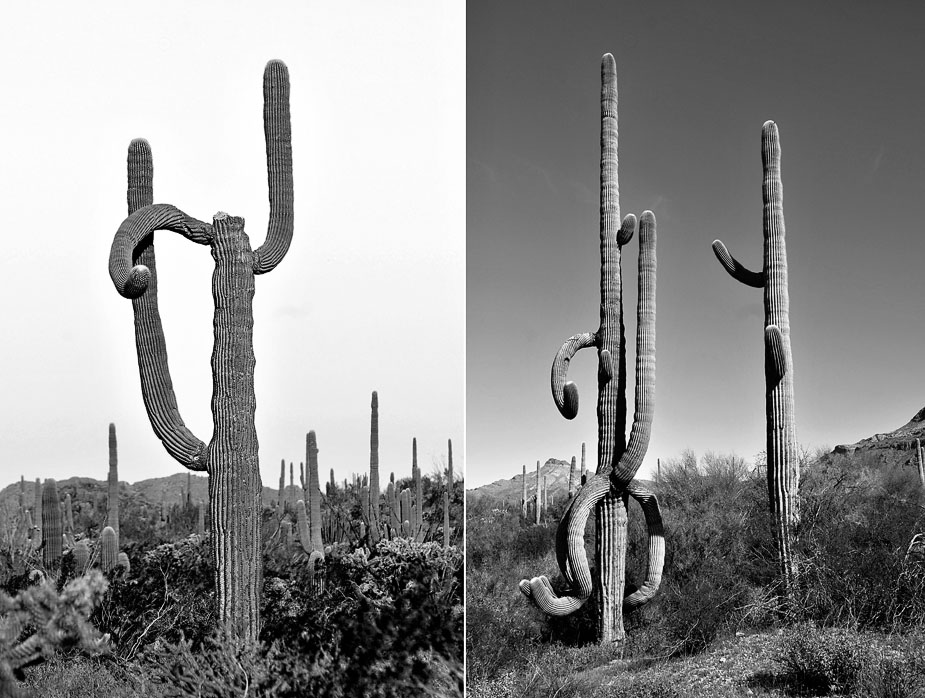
555 471
896 446
170 489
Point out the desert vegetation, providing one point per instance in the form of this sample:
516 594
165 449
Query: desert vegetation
798 575
356 591
348 607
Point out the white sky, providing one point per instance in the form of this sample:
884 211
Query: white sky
371 293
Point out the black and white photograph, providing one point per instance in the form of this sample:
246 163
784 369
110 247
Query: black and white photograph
720 203
238 471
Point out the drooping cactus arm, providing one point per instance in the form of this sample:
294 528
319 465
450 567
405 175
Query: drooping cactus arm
156 385
278 131
755 279
645 359
775 362
131 281
656 532
570 553
565 393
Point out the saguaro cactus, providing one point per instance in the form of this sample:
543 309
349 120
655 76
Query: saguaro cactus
37 507
374 469
231 457
783 470
314 490
618 461
52 526
109 548
571 478
523 496
539 509
112 517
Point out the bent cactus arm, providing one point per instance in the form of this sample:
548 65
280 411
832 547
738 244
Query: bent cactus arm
565 393
656 530
278 131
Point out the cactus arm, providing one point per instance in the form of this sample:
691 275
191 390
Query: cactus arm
775 363
156 386
278 131
132 281
656 531
645 359
565 393
755 279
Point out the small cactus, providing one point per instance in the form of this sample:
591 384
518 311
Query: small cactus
81 552
109 549
122 559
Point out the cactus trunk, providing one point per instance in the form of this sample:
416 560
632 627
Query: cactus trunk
113 481
618 461
374 469
231 458
783 468
52 527
314 491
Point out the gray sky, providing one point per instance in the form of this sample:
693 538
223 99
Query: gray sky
844 83
371 293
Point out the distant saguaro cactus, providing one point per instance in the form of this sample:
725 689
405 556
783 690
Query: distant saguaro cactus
920 461
112 517
231 458
618 460
52 526
539 491
523 496
374 469
571 478
37 507
783 470
314 491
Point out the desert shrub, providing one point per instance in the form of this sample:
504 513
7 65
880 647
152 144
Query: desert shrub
859 515
40 621
821 660
169 595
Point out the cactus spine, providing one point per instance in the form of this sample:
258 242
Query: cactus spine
231 457
374 469
783 470
113 481
52 527
618 460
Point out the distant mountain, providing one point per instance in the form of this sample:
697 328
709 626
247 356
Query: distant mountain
897 445
170 489
555 471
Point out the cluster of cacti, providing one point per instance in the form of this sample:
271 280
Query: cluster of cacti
607 491
783 469
231 457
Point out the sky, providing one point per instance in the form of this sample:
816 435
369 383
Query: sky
371 295
843 82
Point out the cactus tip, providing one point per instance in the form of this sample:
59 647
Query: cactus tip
570 400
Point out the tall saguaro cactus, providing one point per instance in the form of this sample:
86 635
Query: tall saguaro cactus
374 468
783 460
314 490
112 518
52 526
231 456
607 491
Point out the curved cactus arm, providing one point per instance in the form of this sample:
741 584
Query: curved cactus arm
570 553
775 362
131 281
755 279
156 385
656 530
565 393
627 228
278 131
638 443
